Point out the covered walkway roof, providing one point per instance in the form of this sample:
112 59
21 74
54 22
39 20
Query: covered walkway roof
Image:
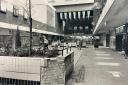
114 14
22 28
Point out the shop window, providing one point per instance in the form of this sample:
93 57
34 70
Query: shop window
15 11
3 6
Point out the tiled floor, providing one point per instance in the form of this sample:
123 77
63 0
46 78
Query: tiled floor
100 66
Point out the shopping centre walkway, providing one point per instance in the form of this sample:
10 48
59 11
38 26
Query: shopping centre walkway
101 66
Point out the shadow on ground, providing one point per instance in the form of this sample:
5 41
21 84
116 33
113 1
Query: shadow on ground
78 76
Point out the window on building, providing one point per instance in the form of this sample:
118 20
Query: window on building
75 28
81 28
15 11
25 15
86 27
3 7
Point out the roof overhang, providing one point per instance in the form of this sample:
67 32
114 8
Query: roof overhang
23 28
66 3
114 14
71 8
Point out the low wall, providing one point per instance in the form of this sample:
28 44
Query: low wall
47 71
22 68
57 70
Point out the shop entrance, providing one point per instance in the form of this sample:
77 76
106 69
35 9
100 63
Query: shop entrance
108 40
119 43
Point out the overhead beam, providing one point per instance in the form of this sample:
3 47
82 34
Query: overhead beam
71 8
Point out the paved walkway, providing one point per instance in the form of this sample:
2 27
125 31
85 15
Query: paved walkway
77 55
100 66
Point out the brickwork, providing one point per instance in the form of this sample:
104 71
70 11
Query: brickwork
57 69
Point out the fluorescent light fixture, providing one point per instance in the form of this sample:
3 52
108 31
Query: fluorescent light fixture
65 14
70 15
61 15
83 14
79 15
74 14
88 14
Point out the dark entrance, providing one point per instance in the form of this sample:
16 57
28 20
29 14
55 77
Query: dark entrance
119 43
108 40
76 22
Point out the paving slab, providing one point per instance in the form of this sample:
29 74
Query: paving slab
101 66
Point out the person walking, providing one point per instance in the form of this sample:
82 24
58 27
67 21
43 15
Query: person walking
78 44
125 47
96 44
45 43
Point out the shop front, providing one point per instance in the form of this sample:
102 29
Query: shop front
121 38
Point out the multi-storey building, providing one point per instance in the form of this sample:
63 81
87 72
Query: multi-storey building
71 16
112 24
15 14
77 17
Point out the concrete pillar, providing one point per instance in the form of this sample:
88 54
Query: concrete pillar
112 39
63 23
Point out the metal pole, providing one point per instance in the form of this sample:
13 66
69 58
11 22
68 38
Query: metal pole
30 26
67 50
62 52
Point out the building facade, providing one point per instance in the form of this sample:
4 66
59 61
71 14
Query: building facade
14 14
77 17
112 25
72 14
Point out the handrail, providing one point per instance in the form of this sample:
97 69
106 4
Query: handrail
67 50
